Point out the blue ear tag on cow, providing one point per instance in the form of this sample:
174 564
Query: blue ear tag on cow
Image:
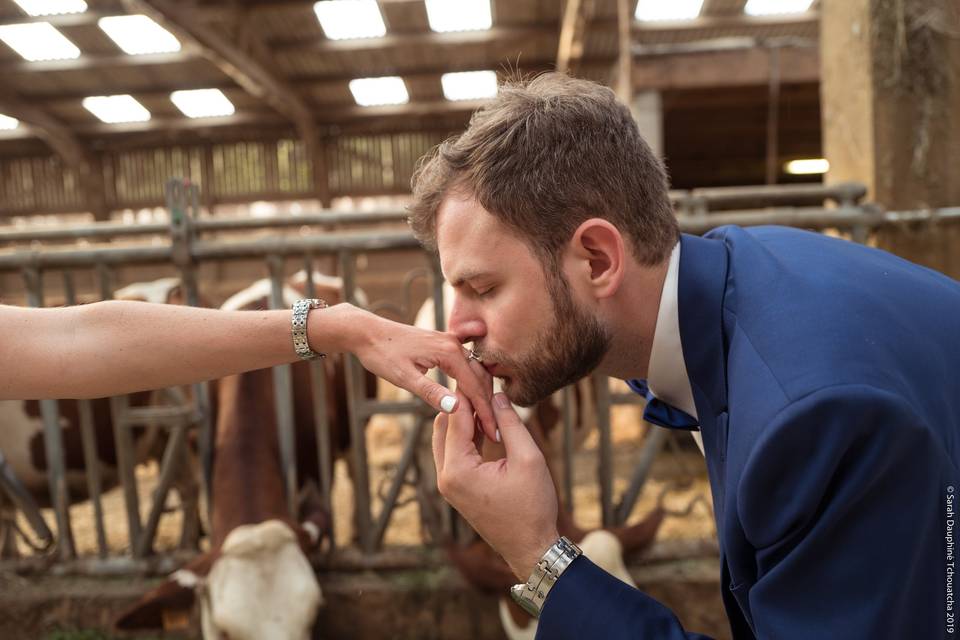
660 413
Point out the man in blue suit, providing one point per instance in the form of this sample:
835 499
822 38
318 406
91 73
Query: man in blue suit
821 377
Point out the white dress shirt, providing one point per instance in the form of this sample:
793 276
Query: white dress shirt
667 373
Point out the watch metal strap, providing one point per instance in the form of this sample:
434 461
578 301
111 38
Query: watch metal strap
532 594
299 327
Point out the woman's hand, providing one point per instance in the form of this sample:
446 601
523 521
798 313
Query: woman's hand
402 355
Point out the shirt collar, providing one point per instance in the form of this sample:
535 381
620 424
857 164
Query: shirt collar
667 372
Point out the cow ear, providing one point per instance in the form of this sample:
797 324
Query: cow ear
171 600
314 519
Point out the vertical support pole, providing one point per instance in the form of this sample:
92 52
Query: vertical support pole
119 413
53 442
358 439
652 445
860 234
88 438
773 117
601 386
283 396
624 56
181 198
321 417
568 419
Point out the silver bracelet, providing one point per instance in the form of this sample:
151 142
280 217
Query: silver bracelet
299 327
532 594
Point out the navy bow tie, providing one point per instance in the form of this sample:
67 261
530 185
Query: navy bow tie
660 413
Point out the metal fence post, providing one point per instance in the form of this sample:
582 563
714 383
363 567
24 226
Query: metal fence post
283 396
358 439
568 420
321 418
181 197
601 386
119 413
53 442
88 436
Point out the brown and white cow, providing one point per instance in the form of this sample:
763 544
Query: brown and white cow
22 440
257 581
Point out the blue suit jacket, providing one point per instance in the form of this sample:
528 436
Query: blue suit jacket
826 376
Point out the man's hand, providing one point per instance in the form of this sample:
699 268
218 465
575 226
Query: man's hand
511 502
402 355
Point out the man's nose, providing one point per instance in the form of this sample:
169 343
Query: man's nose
464 322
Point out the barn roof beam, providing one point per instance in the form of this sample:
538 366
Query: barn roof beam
87 62
741 24
64 143
723 7
414 39
573 31
244 69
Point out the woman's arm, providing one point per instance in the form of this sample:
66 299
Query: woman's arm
114 347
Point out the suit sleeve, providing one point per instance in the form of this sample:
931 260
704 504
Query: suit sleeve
844 501
588 602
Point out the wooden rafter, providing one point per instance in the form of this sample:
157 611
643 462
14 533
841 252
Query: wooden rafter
451 40
87 62
723 7
624 84
742 24
63 142
248 72
242 68
573 31
319 82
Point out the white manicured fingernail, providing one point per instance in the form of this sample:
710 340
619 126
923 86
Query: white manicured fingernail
447 403
498 435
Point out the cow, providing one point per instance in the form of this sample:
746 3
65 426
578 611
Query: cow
257 581
22 440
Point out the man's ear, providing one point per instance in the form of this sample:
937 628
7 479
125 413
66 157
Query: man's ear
599 246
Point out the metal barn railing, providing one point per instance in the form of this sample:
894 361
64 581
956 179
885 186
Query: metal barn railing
187 250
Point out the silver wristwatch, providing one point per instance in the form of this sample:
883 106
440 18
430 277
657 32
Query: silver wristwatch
299 327
533 593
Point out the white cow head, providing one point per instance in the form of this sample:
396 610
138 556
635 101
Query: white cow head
258 585
261 586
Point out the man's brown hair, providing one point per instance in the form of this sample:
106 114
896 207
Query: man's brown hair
545 155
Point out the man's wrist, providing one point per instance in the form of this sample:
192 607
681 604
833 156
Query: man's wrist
532 594
525 564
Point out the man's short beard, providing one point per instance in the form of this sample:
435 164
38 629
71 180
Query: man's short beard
572 347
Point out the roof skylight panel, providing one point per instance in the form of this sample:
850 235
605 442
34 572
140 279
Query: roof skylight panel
469 85
348 19
138 35
807 166
774 7
654 10
116 109
202 103
7 123
371 92
51 7
462 15
36 41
